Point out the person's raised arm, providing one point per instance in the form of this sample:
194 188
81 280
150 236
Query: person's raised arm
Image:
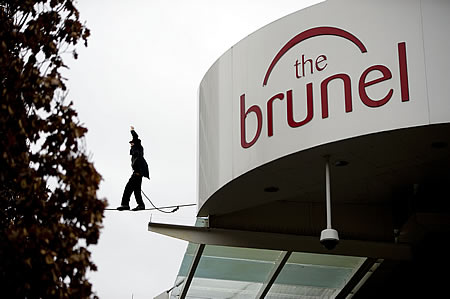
133 133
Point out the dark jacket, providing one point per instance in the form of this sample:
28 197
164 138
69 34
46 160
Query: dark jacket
138 162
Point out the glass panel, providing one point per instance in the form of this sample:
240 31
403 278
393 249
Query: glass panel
308 275
187 259
230 272
227 272
184 268
202 288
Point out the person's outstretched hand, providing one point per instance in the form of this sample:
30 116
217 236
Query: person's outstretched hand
131 128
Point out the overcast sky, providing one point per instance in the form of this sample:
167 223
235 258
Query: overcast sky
142 67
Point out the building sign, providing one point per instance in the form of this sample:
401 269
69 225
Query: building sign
307 66
334 71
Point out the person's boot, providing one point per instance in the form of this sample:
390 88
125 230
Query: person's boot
139 208
122 208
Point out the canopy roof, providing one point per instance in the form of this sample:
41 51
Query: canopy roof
232 272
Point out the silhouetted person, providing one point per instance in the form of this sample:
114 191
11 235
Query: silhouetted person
140 169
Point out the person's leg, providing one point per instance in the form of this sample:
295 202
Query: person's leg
127 192
137 184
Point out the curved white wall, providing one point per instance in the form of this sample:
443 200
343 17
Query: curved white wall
340 69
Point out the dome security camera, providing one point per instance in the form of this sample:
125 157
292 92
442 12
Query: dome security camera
329 238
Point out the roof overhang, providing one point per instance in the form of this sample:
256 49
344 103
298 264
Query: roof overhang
278 241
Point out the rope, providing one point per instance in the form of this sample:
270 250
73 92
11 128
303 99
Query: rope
176 208
151 209
159 209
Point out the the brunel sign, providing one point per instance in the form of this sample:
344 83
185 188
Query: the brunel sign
308 65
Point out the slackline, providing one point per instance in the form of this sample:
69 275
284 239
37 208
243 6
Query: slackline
155 208
176 208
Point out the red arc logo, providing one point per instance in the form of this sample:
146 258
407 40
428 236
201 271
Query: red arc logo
313 32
